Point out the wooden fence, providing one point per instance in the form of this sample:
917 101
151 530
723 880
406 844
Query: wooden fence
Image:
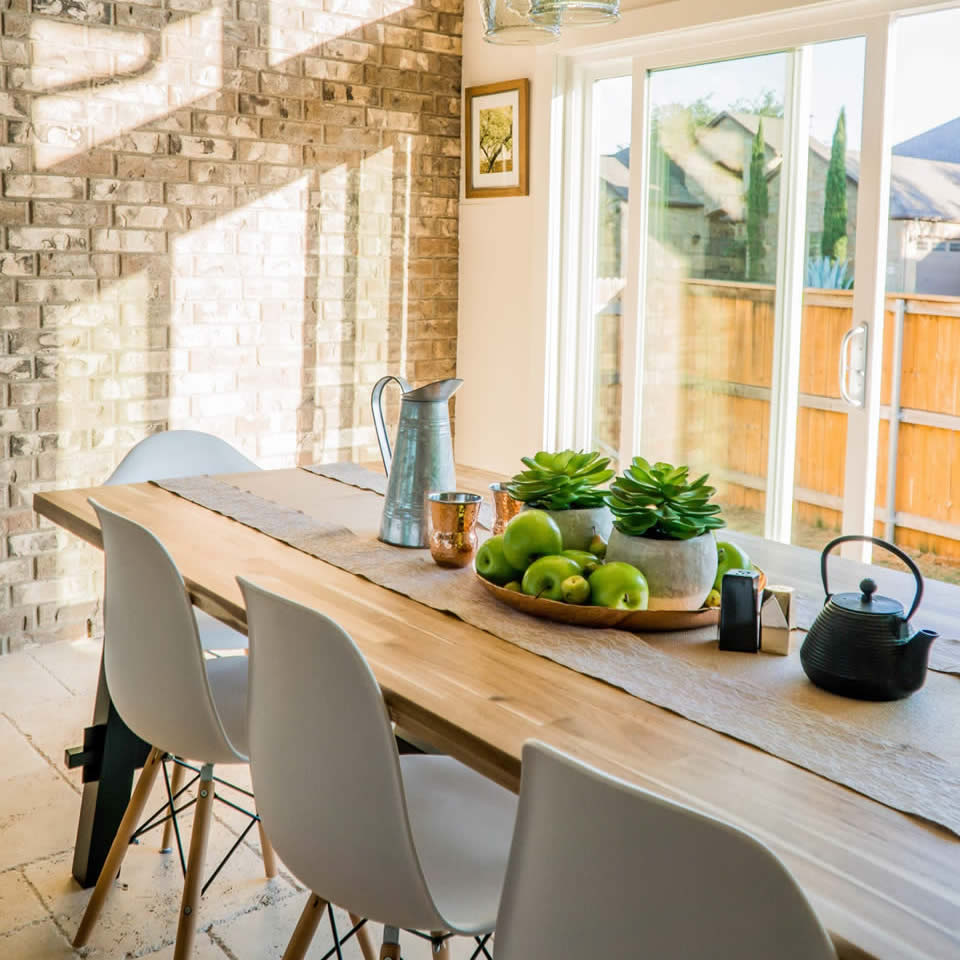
726 354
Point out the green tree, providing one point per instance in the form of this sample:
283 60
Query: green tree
766 104
834 241
496 136
693 115
758 208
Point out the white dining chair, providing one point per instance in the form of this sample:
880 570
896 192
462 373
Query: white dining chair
187 453
415 842
600 868
169 696
179 453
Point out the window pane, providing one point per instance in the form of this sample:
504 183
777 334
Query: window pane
716 134
922 493
612 112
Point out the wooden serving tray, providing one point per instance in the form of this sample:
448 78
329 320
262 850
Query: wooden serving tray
637 621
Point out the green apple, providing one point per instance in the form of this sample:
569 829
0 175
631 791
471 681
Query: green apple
619 586
729 557
513 585
598 546
544 577
713 598
529 535
492 565
575 590
587 561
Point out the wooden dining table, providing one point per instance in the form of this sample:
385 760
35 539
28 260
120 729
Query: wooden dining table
886 884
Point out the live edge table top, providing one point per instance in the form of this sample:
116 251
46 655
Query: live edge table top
887 885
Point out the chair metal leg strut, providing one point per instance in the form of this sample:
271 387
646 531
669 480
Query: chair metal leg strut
173 788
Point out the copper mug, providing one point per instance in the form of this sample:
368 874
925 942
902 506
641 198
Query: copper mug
505 505
453 527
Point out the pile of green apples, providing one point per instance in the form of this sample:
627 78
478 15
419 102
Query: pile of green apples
529 557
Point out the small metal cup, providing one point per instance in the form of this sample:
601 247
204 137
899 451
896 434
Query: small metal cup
453 527
506 507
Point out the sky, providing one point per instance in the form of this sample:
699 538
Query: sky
926 86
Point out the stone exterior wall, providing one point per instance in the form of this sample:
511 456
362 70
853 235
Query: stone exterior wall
227 215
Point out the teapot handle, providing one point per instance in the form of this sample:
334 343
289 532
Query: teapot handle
376 405
880 543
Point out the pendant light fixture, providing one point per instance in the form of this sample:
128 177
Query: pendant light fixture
510 22
575 13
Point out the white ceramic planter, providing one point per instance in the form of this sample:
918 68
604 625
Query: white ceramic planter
579 527
680 573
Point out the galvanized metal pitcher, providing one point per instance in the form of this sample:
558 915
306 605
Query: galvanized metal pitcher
422 462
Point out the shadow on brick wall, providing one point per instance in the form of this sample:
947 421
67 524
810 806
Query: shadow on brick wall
229 217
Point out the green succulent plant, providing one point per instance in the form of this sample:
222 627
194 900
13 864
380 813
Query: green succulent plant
660 502
566 480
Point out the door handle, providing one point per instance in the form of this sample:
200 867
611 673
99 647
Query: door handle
853 374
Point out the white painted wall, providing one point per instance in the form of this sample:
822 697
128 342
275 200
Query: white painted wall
503 326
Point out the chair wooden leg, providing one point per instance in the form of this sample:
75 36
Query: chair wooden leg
363 938
193 882
442 952
269 857
176 782
390 948
306 927
111 866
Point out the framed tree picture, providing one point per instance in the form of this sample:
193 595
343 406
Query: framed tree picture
496 126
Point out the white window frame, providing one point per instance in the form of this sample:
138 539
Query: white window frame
572 363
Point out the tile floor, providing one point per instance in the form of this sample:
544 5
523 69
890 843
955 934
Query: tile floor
46 699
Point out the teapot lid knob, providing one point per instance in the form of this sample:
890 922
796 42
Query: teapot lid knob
868 587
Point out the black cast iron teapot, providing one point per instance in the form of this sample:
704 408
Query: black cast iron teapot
861 645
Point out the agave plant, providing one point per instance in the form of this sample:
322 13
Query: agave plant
567 480
660 502
828 274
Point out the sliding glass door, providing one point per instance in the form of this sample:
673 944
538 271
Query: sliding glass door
731 299
715 172
748 262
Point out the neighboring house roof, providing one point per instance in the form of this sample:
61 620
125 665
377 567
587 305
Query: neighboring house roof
921 188
939 143
615 169
616 173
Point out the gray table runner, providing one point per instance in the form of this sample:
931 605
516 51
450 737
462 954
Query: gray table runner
910 773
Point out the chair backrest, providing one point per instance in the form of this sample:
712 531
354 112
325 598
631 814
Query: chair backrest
325 768
151 649
179 453
599 868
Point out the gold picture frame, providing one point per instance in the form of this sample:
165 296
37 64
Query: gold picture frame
497 135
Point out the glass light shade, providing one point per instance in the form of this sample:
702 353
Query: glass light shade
508 22
575 13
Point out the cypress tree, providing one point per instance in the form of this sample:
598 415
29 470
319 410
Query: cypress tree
758 207
834 241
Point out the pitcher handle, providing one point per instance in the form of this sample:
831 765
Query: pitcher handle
896 551
376 405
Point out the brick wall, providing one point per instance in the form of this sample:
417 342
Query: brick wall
229 215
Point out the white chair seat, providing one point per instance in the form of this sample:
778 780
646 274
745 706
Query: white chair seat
215 635
462 824
228 684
